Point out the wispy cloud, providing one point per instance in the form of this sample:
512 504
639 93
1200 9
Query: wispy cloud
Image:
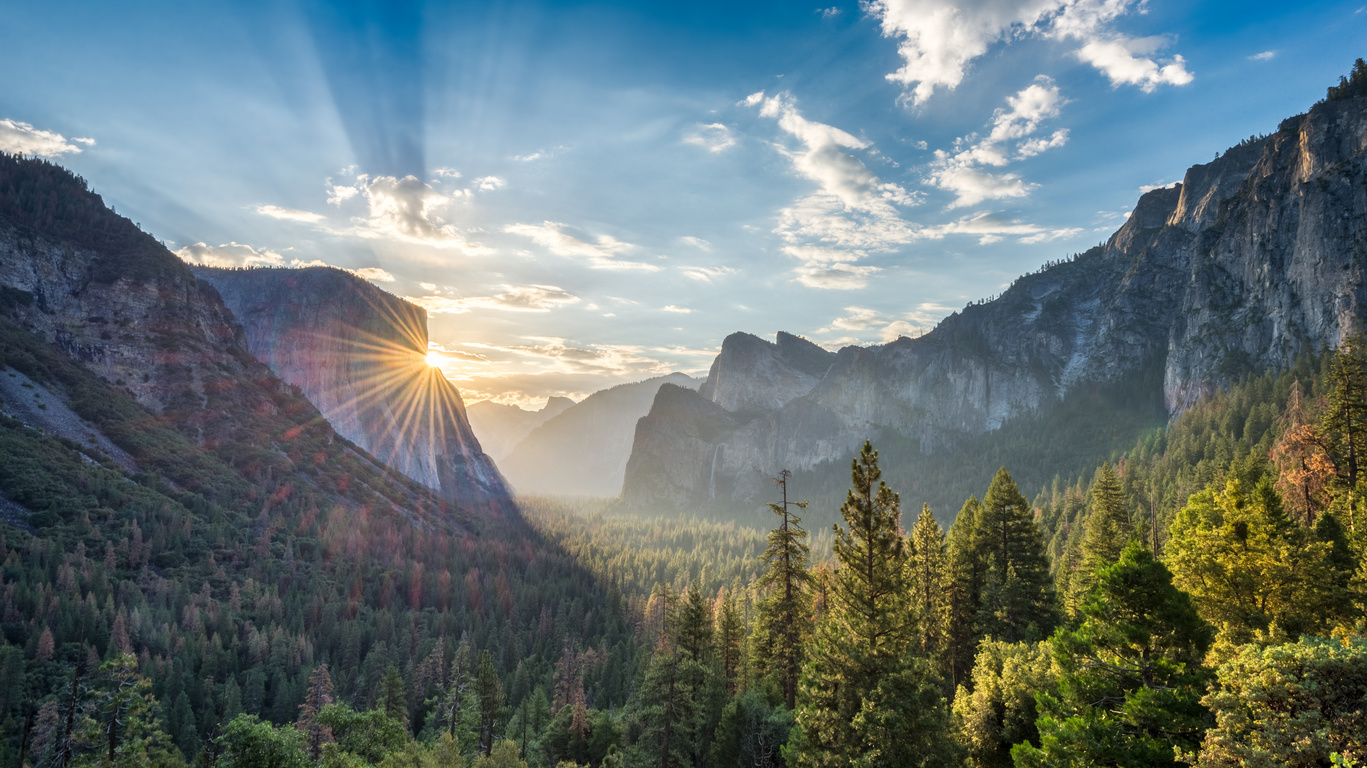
991 227
600 252
23 139
852 210
963 171
696 242
706 274
522 298
288 214
1264 56
677 310
861 325
939 39
373 273
232 254
403 209
714 137
490 183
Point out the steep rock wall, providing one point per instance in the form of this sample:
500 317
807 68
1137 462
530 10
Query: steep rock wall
360 355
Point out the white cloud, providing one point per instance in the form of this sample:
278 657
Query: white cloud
696 242
676 309
939 39
851 208
835 277
403 209
1147 188
522 298
372 273
1126 61
864 325
600 252
229 255
490 183
446 173
1264 56
23 139
288 214
991 228
1010 138
714 137
706 274
829 13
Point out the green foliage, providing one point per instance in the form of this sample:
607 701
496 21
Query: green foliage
1250 571
751 732
1351 87
1017 602
785 611
999 711
928 580
1130 677
1289 705
248 742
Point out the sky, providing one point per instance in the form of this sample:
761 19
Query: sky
583 194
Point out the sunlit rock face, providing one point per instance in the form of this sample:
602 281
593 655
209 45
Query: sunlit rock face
1252 260
360 355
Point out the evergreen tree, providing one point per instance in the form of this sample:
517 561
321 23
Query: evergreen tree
695 625
1017 602
785 612
393 696
967 569
1247 567
1104 535
730 643
457 707
928 579
490 702
1131 678
1344 423
859 678
999 711
317 695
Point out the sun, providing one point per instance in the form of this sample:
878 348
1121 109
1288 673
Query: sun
435 359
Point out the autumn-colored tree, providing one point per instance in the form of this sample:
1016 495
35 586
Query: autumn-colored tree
1304 470
317 695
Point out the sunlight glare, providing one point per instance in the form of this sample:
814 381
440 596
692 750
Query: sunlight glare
435 359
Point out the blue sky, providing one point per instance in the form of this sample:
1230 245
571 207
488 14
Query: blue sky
583 194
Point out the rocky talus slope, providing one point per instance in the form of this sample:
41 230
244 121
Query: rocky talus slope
1250 261
360 355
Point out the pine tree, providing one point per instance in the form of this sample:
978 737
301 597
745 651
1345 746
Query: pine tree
730 639
1131 677
1303 468
394 696
1104 535
317 695
859 677
927 578
695 625
490 701
1344 423
785 612
457 707
967 569
1017 602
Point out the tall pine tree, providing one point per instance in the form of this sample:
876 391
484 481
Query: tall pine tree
1018 594
860 687
785 612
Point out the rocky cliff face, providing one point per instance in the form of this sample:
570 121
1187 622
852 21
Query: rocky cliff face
360 355
1253 259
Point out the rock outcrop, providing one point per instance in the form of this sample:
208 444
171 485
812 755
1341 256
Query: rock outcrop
1254 259
360 355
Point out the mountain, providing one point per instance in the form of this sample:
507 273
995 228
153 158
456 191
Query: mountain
501 427
164 494
1250 261
584 450
360 355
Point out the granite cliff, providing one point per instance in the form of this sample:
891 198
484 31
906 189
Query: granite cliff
360 355
1250 261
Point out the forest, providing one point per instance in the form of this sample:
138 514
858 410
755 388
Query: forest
1199 599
